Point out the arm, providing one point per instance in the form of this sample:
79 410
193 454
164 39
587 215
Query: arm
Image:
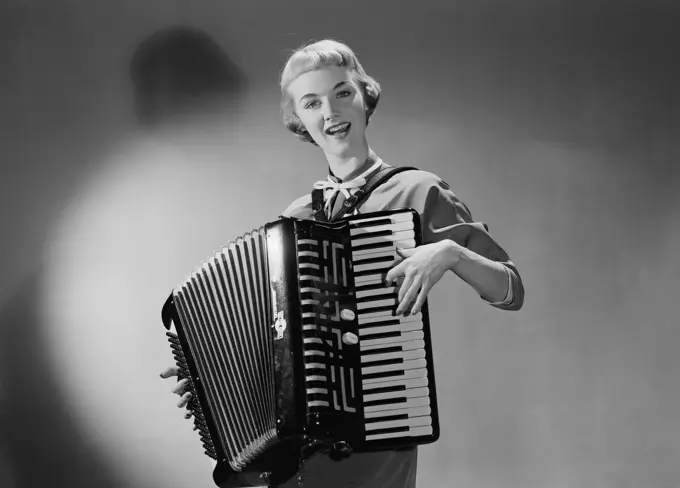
489 278
452 241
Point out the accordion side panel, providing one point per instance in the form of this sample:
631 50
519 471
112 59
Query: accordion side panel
285 330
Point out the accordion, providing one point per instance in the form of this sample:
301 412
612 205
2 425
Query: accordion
291 347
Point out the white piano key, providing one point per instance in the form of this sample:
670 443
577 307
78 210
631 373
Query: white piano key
409 422
312 242
413 432
376 291
309 289
372 279
379 252
411 412
368 344
369 317
308 265
404 345
382 265
308 253
384 329
395 217
393 227
410 364
407 383
388 408
405 355
397 236
412 393
403 243
361 306
409 373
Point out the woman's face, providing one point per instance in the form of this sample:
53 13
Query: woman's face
331 107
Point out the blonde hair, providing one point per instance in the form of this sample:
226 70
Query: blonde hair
315 55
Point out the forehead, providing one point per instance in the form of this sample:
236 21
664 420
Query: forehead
319 81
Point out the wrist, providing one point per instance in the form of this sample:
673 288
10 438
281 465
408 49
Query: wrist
454 254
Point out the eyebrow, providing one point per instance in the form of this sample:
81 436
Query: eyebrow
311 95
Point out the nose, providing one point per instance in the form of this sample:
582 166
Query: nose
328 110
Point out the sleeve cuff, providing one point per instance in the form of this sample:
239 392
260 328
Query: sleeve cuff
509 296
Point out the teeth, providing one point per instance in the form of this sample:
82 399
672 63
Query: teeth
337 128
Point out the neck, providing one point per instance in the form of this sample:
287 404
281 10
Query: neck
347 168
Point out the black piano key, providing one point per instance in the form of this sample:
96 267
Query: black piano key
383 350
381 233
382 335
376 245
386 389
386 418
385 308
374 259
390 430
375 298
372 223
385 401
382 362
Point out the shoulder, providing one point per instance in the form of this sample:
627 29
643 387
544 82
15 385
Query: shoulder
299 207
418 185
418 179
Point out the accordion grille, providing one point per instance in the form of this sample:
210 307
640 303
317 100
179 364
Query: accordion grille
226 311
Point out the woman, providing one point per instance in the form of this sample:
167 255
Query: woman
328 100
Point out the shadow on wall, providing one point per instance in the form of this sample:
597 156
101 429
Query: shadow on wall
180 71
176 71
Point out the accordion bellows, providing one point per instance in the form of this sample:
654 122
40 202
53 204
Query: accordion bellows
289 340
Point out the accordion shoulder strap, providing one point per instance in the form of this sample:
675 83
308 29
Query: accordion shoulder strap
362 194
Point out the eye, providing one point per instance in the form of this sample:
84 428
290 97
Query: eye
344 93
311 104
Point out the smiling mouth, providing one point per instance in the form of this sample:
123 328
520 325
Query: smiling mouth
338 129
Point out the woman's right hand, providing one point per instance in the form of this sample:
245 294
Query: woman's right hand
179 389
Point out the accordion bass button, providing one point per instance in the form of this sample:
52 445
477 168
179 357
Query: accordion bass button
350 338
347 314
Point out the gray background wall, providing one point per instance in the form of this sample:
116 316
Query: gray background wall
554 121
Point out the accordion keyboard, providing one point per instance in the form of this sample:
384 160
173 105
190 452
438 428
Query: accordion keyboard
394 368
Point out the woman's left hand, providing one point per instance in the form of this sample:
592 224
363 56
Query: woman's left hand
421 269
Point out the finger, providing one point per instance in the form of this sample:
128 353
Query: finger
184 400
179 387
170 372
422 296
394 273
188 414
409 298
405 253
405 285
